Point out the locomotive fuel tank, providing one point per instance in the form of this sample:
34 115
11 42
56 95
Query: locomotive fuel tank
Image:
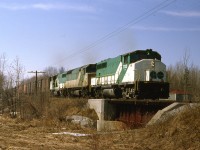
108 93
112 93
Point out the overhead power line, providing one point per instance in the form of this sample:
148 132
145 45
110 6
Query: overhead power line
122 28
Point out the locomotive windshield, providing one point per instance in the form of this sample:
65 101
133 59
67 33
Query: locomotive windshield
91 68
141 54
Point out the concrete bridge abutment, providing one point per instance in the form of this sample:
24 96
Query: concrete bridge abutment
106 113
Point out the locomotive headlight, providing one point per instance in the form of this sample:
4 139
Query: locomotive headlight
153 74
160 75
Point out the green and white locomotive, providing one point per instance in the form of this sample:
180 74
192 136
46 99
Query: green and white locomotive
75 82
139 74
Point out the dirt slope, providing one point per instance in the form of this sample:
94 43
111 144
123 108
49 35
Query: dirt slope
180 132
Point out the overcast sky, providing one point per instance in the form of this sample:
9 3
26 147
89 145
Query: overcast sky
72 33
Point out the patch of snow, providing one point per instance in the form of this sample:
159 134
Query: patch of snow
73 134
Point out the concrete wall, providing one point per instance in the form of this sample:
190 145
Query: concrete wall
106 113
170 111
98 106
104 110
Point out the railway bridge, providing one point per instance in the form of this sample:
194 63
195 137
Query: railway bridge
128 113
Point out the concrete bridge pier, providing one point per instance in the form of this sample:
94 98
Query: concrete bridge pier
106 113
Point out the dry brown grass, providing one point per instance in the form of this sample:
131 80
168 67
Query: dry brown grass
47 111
180 132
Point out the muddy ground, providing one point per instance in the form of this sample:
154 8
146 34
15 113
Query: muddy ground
180 133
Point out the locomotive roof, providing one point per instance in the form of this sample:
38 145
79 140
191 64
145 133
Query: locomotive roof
134 52
142 51
84 66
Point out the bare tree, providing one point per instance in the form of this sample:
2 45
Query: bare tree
194 82
61 70
2 70
51 71
18 73
2 80
186 71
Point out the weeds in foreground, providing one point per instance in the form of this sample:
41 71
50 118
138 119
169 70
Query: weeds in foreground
52 111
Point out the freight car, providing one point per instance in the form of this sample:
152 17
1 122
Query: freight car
139 74
30 86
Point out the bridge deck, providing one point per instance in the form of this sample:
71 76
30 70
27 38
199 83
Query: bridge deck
141 102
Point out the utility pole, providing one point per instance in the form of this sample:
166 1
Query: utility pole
36 78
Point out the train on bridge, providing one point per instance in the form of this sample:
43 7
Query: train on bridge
139 74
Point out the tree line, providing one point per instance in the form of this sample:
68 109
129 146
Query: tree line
185 76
